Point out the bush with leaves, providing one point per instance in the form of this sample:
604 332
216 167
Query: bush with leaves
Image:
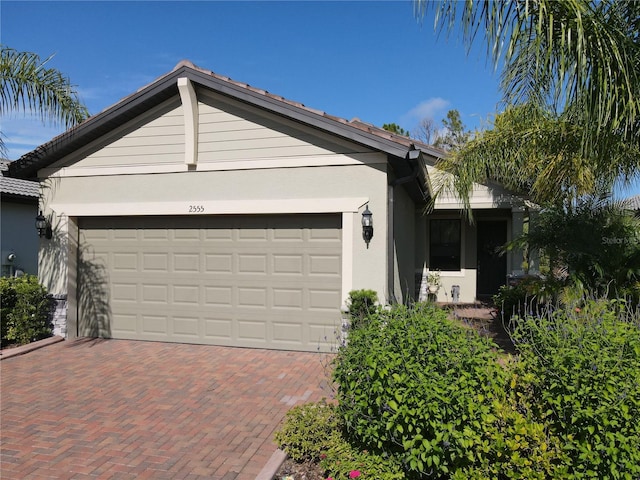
26 310
361 304
313 431
343 460
579 370
308 430
529 296
594 242
413 385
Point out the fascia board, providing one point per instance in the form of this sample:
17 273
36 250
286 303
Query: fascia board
111 117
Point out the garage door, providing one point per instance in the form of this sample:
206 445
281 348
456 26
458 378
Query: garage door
256 281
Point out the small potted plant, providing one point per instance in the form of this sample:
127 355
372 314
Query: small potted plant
433 281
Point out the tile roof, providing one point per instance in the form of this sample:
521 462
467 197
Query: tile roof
355 122
633 203
164 87
16 186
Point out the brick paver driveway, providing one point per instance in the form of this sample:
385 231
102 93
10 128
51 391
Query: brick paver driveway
123 409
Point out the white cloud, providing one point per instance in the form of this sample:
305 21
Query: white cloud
22 135
431 108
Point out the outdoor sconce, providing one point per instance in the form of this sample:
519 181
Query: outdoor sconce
367 225
43 226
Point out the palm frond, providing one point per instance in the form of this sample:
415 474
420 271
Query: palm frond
29 86
560 53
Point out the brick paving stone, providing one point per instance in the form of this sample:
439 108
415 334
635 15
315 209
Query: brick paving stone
115 409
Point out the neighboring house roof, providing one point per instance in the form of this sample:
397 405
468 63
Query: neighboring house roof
633 203
16 187
165 87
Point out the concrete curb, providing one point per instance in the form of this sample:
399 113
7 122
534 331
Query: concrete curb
272 466
14 352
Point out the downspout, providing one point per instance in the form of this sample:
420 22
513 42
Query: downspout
412 158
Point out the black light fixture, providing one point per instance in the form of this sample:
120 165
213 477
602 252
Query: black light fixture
43 226
367 225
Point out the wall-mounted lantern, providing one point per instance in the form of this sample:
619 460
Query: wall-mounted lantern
43 226
367 225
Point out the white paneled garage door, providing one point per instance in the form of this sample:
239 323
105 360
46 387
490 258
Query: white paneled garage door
269 281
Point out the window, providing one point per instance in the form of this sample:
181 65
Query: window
444 245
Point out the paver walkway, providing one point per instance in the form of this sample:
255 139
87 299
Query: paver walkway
116 409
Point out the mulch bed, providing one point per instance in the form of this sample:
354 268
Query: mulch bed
299 471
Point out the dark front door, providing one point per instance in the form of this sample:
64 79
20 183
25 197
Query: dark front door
492 267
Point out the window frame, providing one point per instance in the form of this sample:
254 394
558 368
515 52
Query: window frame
460 243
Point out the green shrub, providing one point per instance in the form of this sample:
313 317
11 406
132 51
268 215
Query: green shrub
362 303
341 458
414 385
580 372
308 430
313 432
530 296
26 310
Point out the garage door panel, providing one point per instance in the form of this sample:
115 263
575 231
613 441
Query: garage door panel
252 330
187 234
186 262
267 281
124 324
124 292
287 298
323 299
224 235
252 263
125 234
288 333
153 293
186 327
287 264
324 265
218 328
155 262
252 297
288 235
218 296
186 295
125 262
155 325
219 263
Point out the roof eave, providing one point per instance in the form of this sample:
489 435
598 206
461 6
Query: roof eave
163 88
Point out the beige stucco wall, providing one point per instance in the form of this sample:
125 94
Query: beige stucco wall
342 190
404 246
247 161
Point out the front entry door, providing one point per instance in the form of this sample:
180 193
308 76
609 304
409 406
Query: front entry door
492 267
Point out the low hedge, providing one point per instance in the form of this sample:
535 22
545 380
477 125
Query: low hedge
414 385
27 310
580 370
314 431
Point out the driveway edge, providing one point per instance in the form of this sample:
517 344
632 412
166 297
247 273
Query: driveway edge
268 472
14 352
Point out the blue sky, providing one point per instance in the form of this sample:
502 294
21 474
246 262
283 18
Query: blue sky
367 59
371 60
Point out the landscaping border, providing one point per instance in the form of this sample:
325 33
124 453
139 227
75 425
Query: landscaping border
14 352
269 471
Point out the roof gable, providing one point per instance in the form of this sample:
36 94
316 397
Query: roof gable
166 87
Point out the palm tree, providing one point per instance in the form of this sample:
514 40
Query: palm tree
537 154
27 85
575 65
